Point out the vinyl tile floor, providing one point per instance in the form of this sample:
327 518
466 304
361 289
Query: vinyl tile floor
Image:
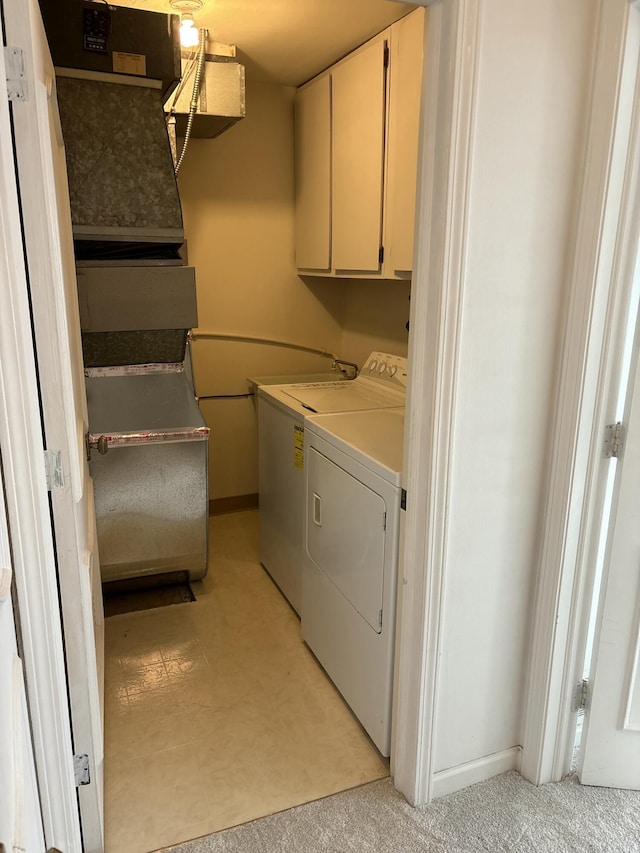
216 713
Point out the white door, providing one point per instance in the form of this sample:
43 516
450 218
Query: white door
20 817
610 749
28 512
51 269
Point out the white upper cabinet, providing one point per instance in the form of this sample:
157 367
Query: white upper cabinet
405 86
359 85
313 175
356 158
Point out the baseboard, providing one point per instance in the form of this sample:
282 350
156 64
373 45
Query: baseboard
236 503
463 775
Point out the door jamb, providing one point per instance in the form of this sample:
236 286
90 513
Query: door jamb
30 522
599 292
445 153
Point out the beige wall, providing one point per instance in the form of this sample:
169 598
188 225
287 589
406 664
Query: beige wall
237 196
375 318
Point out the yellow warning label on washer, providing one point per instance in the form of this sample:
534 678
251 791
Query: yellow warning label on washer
298 446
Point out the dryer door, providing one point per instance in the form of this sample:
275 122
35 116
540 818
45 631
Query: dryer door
346 523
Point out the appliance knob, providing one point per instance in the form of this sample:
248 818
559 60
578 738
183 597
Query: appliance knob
373 366
382 368
393 370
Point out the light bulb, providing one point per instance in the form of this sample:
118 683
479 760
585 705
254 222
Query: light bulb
189 35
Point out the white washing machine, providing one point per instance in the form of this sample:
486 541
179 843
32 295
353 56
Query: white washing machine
353 490
281 436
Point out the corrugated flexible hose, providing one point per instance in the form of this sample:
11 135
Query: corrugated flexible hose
193 106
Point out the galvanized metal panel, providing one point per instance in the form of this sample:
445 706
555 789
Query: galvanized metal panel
106 349
151 489
152 508
144 402
221 102
118 157
135 298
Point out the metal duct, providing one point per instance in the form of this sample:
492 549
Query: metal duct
119 163
221 102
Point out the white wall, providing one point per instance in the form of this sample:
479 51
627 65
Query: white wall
527 148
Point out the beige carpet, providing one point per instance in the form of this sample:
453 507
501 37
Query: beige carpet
503 814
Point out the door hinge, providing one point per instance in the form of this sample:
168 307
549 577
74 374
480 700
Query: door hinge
384 520
81 770
385 61
380 620
403 499
581 695
53 468
381 255
14 68
614 437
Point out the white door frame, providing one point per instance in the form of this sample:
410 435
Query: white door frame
21 444
451 75
601 276
448 98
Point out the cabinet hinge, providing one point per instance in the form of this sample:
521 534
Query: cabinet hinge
81 770
384 520
380 620
381 255
614 438
385 61
14 68
53 468
581 695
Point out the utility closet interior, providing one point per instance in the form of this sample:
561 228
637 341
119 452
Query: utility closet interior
242 182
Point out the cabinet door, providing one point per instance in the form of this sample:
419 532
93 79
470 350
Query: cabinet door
358 158
405 85
313 175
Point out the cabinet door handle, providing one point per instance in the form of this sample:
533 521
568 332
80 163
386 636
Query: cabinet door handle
317 510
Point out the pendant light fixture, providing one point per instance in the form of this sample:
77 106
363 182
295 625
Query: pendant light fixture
188 30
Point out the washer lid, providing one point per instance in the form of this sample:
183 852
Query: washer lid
357 395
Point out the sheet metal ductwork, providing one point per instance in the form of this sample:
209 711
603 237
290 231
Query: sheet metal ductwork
221 99
136 295
148 442
120 169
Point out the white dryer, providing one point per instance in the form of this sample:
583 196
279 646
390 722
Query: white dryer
281 436
353 491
